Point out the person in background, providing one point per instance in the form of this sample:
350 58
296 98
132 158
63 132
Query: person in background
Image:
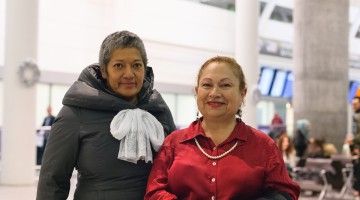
50 118
356 166
218 156
346 147
110 125
329 149
277 127
354 145
315 148
43 134
288 151
301 137
356 116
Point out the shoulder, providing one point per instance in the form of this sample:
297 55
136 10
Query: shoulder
258 139
258 135
69 113
176 137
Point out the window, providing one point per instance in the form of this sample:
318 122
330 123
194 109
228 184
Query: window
277 87
1 103
227 4
262 7
282 14
288 88
186 110
48 94
182 106
42 102
358 33
265 81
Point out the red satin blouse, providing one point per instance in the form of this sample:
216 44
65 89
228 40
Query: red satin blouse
182 171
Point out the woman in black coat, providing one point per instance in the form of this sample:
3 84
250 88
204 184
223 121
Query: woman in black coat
110 125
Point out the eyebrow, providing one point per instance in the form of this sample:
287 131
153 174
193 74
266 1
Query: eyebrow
225 79
222 80
121 60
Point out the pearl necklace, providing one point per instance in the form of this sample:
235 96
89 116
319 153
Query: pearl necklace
215 157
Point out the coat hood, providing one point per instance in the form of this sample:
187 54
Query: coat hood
90 92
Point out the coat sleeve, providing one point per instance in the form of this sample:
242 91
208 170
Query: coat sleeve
60 156
277 180
157 187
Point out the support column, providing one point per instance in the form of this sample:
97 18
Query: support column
246 52
18 135
321 67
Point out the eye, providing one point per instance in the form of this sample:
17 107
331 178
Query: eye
205 85
226 85
118 65
137 65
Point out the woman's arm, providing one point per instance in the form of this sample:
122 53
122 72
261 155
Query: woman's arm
277 181
157 187
60 157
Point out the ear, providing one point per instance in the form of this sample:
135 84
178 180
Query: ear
196 90
243 93
103 72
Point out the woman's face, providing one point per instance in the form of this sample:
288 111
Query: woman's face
218 93
125 73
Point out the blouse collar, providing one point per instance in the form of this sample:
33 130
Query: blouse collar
240 132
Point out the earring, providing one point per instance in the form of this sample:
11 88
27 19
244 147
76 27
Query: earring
197 115
239 113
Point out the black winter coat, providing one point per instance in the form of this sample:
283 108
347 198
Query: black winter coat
80 138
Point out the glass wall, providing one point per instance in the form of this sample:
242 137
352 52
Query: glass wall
1 103
42 102
182 107
266 109
48 94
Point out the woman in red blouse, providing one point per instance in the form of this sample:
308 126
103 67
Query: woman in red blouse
218 156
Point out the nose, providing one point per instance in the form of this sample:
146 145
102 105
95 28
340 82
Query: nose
128 72
214 92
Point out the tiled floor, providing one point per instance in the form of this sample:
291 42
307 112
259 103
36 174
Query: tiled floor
29 193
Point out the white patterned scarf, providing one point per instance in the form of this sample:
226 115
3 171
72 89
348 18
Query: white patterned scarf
136 129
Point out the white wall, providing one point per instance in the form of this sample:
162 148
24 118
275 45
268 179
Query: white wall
70 33
179 35
2 32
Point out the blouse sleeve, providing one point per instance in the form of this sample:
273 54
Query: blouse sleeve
60 157
277 177
157 186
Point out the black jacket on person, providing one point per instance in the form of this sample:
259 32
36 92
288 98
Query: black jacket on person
300 143
80 138
48 120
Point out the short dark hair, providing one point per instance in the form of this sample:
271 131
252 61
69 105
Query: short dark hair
120 40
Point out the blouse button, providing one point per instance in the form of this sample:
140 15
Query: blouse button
214 148
214 163
212 197
213 180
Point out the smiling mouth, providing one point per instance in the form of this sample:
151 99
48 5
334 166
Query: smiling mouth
128 85
215 104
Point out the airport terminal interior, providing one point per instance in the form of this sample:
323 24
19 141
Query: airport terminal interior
63 37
